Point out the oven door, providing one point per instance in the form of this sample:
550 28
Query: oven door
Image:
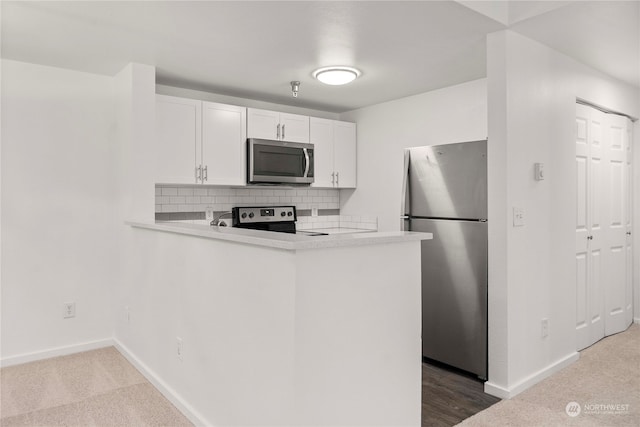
279 162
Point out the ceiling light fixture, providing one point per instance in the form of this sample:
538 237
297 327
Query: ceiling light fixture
336 75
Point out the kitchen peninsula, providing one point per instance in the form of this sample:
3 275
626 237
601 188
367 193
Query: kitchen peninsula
278 329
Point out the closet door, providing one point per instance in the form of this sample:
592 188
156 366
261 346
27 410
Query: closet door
628 223
604 252
616 224
589 237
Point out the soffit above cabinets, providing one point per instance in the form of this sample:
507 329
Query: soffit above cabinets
255 49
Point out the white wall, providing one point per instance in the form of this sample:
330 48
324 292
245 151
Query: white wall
58 207
453 114
532 92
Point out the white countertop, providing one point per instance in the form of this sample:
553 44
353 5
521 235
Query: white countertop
336 238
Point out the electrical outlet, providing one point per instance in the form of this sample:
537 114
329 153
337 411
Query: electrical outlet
209 213
179 348
544 327
518 217
69 310
314 211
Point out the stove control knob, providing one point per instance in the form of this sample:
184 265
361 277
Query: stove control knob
244 215
283 213
250 214
289 213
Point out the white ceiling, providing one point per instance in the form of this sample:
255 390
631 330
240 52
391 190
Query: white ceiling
254 49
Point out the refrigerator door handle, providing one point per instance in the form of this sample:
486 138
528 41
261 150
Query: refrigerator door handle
404 198
403 221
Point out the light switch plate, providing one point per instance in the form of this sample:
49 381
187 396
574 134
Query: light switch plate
539 172
518 217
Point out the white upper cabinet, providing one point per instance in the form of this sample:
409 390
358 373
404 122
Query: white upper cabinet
178 139
223 144
199 142
344 154
266 124
334 153
294 127
321 136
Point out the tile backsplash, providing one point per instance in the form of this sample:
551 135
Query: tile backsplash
189 203
197 198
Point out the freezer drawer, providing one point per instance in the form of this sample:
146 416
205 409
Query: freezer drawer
454 293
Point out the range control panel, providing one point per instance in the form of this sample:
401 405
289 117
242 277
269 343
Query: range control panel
256 214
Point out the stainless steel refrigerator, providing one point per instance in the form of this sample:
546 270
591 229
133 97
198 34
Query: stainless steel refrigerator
445 193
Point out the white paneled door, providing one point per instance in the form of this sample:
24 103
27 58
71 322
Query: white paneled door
589 181
628 224
603 289
615 227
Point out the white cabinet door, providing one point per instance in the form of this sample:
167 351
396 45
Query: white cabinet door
294 127
266 124
321 136
223 144
344 157
263 124
178 139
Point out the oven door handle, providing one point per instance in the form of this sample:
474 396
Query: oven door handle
306 162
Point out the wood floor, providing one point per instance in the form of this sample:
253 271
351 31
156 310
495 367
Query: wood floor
448 396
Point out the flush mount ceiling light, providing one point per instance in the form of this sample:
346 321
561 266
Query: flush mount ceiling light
336 75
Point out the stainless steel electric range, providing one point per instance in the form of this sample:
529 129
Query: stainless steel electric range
281 219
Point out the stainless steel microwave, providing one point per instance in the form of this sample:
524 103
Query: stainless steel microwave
279 162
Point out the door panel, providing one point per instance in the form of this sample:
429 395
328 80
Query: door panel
224 144
628 223
596 308
321 136
615 230
177 148
345 154
583 332
589 225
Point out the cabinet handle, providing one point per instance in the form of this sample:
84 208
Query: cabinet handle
589 237
278 131
333 178
206 173
628 233
282 131
337 179
198 174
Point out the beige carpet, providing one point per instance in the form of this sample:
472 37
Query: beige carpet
93 388
605 382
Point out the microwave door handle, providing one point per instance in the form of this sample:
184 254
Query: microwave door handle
306 162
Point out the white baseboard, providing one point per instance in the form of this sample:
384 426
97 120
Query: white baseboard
55 352
509 392
187 410
636 320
